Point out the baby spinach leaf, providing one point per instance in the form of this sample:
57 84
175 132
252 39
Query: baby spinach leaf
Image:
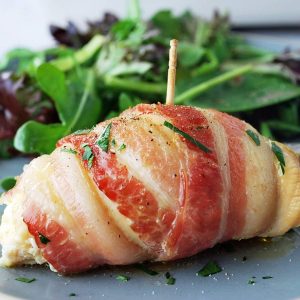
53 83
189 54
167 23
252 91
78 108
34 137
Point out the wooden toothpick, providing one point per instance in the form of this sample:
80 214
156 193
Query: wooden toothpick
172 73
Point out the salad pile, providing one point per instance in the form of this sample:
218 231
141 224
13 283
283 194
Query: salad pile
117 63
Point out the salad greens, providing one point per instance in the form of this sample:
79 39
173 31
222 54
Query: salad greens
117 63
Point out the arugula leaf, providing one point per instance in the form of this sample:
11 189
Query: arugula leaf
7 183
209 269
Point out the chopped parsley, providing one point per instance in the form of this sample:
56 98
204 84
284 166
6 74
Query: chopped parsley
122 147
145 269
279 155
251 281
123 278
7 183
253 136
88 155
209 269
72 295
104 138
170 280
267 277
187 136
44 240
113 142
25 280
69 150
82 131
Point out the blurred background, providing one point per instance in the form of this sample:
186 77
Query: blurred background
25 23
99 58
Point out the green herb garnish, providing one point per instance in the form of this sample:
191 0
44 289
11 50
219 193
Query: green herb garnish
82 131
25 280
122 147
8 183
44 240
267 277
170 280
104 138
251 281
279 154
69 150
123 278
113 142
145 269
88 155
187 136
253 136
72 295
209 269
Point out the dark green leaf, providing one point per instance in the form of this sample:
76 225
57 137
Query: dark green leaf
279 154
145 269
209 269
44 240
188 137
53 83
6 146
122 29
34 137
25 280
7 183
103 141
267 277
168 25
123 278
251 91
189 54
170 280
253 136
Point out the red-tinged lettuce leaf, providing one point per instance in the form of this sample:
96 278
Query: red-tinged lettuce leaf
291 61
20 101
72 37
